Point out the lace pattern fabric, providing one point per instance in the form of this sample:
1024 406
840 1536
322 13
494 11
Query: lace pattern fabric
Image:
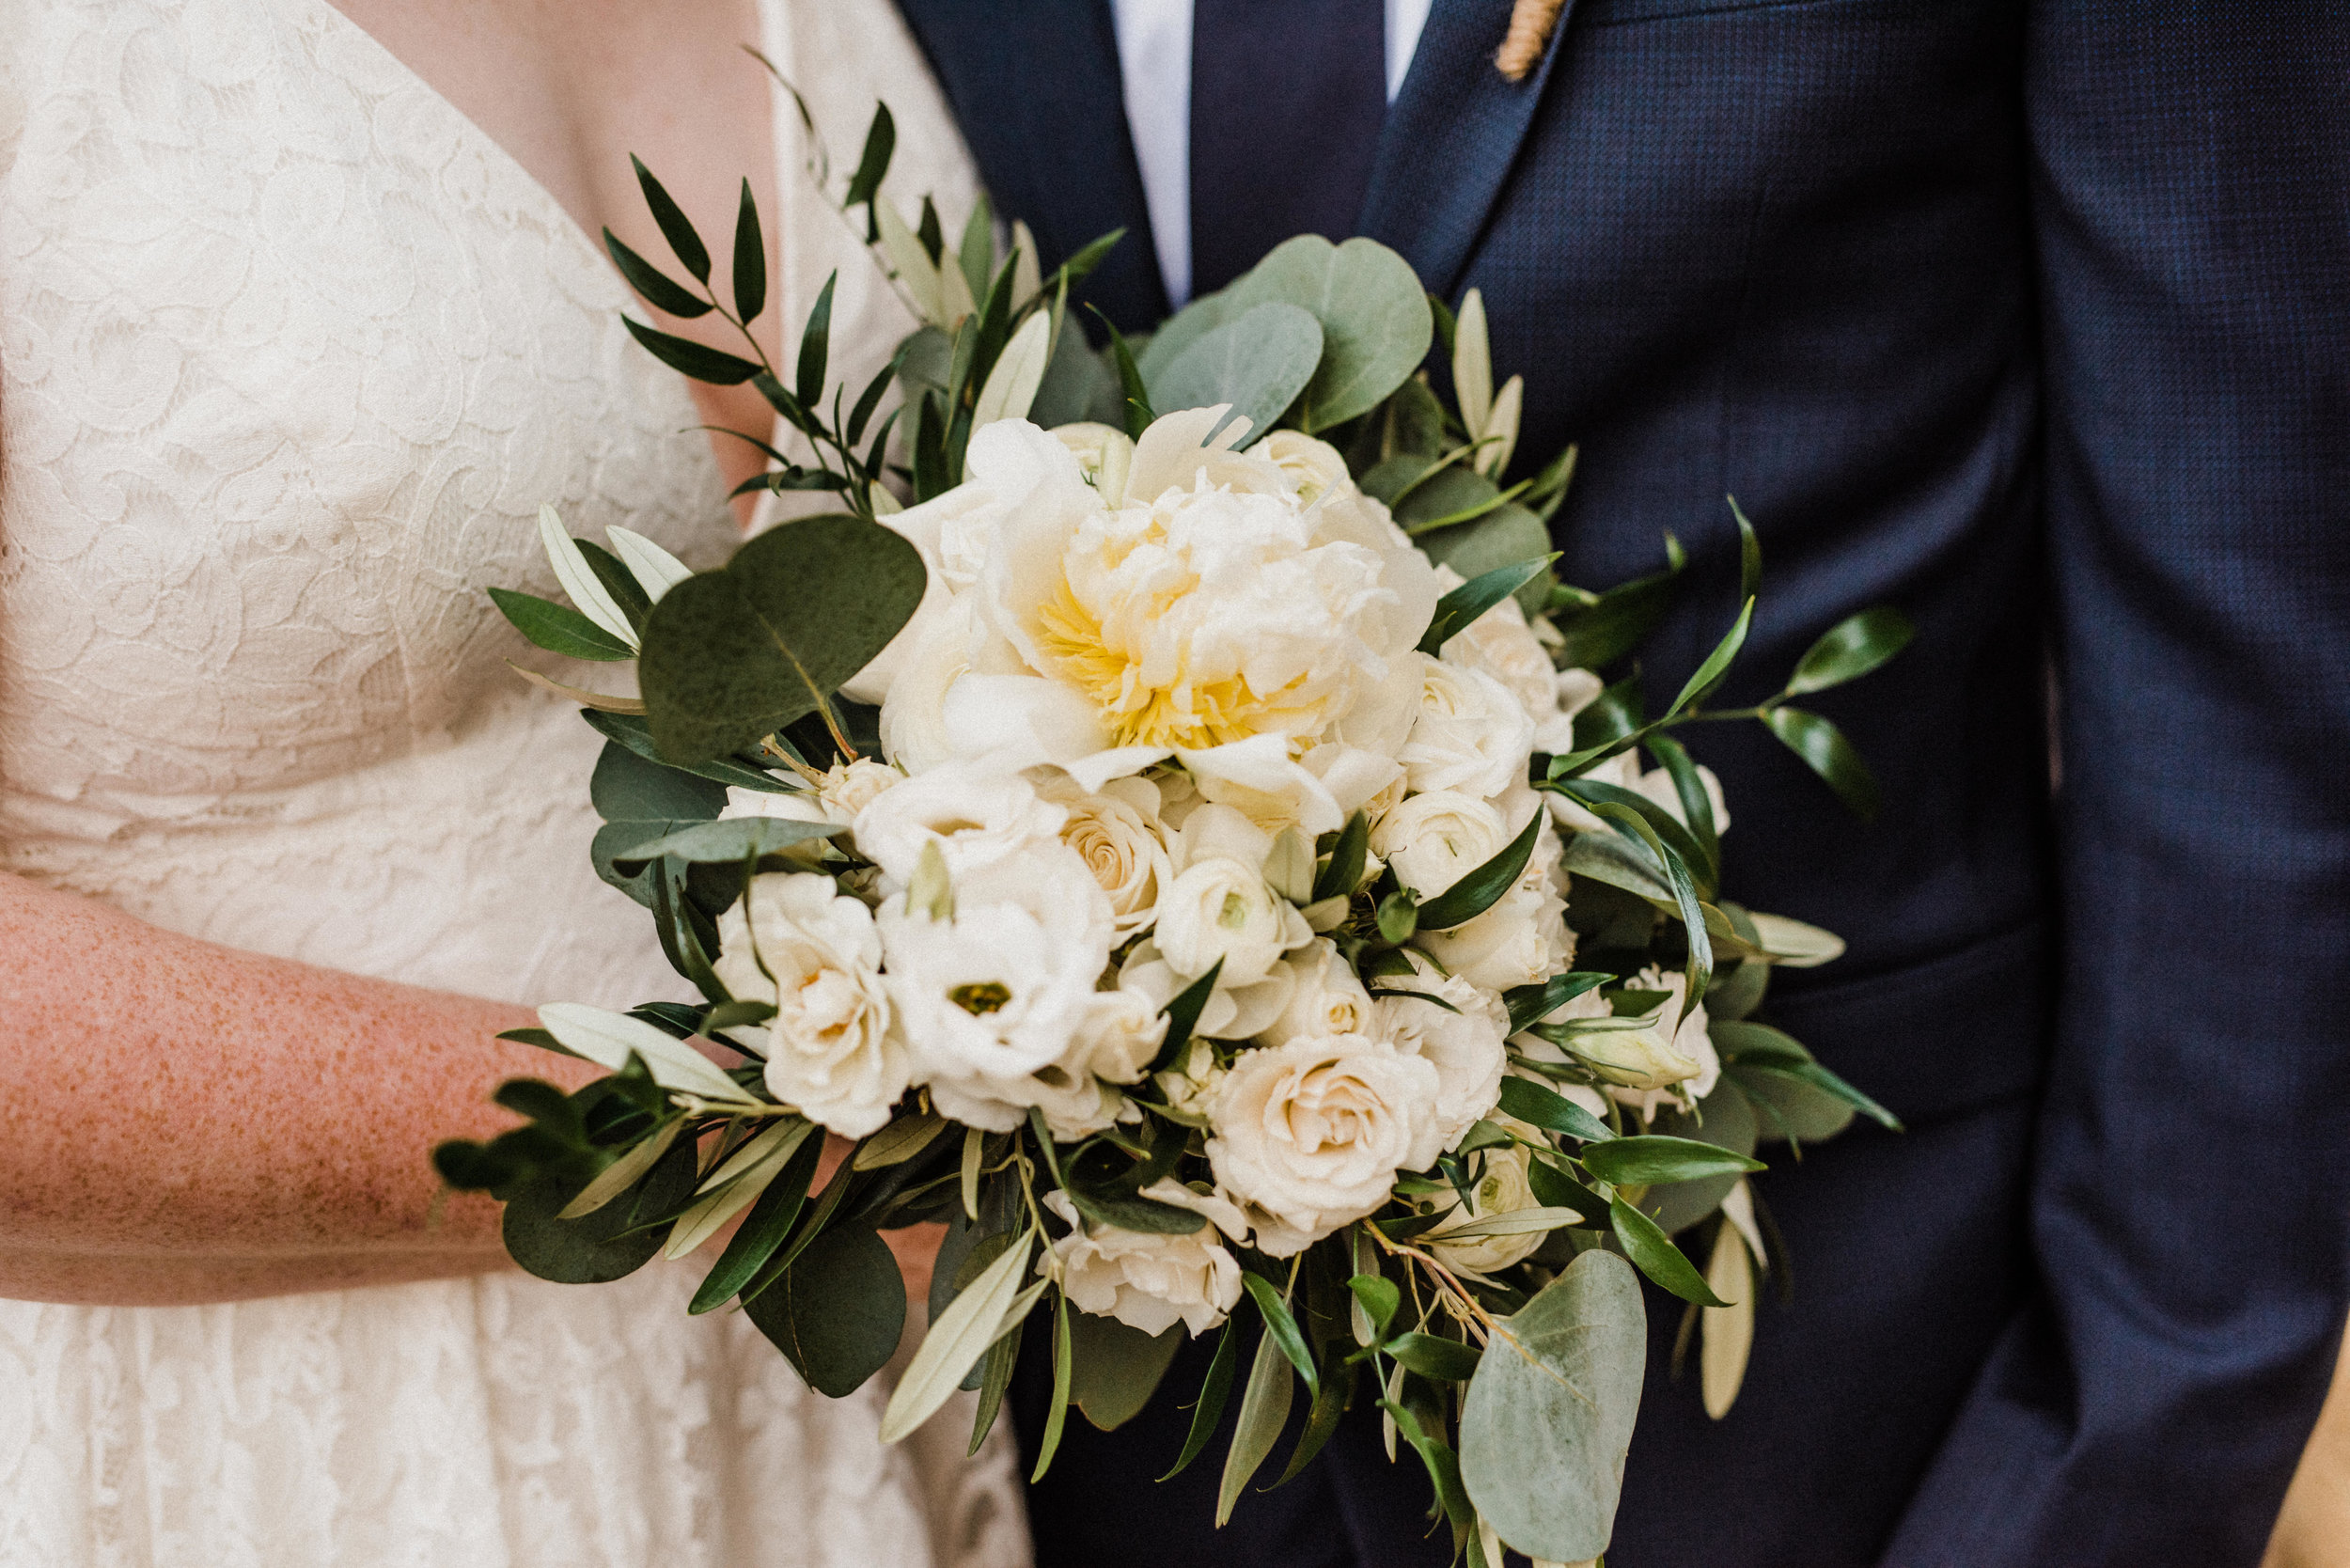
292 353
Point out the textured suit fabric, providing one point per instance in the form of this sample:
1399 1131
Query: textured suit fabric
2030 317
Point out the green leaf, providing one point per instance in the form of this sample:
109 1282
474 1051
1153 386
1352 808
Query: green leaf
732 655
1117 1369
1709 674
837 1311
816 345
1064 1372
1180 331
1644 1161
618 580
1322 1420
1265 1408
1258 362
1826 752
1443 1464
558 628
1555 1189
1749 554
1697 806
976 253
632 732
1550 1412
1530 1102
956 1341
1380 1298
1481 888
1601 633
1648 1245
1080 266
1282 1327
1459 609
1375 322
1725 1117
1700 967
675 228
1182 1016
750 259
658 289
1503 537
1662 823
603 1246
626 787
1445 1360
695 361
1137 403
1209 1408
728 843
1398 916
763 1231
1851 649
1531 1004
881 140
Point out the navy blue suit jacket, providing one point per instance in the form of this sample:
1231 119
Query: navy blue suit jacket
2033 318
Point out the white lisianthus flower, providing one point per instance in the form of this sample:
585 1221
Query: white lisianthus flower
1466 1045
796 941
1471 735
1105 456
1688 1065
1219 908
1326 1000
977 816
1118 834
1004 990
1146 1280
1502 1188
1432 841
1205 610
1312 1133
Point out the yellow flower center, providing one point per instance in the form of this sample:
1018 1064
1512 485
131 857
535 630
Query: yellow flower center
1188 714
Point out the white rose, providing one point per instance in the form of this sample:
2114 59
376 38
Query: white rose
1466 1045
1312 1133
1105 456
796 941
1219 908
1326 998
1146 1280
1118 836
976 816
1004 990
1503 1188
1432 841
1471 734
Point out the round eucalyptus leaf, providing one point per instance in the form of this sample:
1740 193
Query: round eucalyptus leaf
1258 362
837 1311
1376 325
593 1249
1728 1121
1550 1412
735 654
1114 1368
1182 329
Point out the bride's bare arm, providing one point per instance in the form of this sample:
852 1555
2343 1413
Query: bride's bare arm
181 1121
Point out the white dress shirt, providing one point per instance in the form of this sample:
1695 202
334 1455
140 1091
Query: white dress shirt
1154 64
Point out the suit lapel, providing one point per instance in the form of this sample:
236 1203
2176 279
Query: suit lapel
1450 139
1035 85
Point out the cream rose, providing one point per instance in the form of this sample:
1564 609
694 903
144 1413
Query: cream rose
1312 1133
1432 841
1148 1281
796 941
1326 998
1461 1034
1503 1188
1471 734
1118 834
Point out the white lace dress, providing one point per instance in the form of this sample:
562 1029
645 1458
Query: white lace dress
293 353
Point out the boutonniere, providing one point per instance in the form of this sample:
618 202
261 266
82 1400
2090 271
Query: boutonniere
1530 22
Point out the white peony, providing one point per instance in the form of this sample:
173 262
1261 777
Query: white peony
1003 990
1310 1134
796 941
1326 998
976 816
1471 735
1503 1188
1464 1044
1105 456
1432 841
1146 1280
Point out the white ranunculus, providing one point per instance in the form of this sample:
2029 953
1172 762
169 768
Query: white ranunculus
796 941
1501 644
1105 456
1471 734
1312 1133
1219 908
1205 610
1522 940
976 815
1004 990
1503 1188
1432 841
1690 1042
1146 1280
1118 834
1464 1044
1325 999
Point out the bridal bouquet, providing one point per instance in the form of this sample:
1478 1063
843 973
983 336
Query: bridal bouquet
1190 854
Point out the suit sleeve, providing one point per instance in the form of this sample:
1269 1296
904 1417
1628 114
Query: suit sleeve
2190 1208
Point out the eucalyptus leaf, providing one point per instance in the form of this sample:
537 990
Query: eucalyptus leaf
603 1245
1549 1414
1114 1368
732 655
1376 325
837 1311
1258 362
727 842
1180 331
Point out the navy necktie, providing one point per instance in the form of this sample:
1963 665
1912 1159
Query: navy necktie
1287 97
